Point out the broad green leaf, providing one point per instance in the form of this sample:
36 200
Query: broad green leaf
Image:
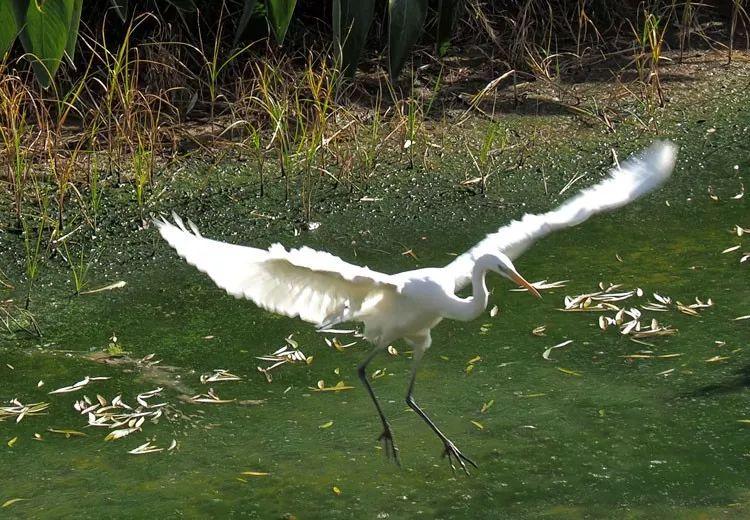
351 23
447 13
121 8
280 14
8 27
46 35
75 22
248 6
405 22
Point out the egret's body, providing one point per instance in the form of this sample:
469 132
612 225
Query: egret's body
323 289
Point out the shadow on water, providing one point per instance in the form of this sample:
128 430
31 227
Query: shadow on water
738 382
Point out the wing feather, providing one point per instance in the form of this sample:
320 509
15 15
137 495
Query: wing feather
316 286
634 178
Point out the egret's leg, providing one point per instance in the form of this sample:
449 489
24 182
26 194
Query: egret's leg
451 451
391 451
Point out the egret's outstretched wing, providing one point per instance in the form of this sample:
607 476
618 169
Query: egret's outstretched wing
637 176
316 286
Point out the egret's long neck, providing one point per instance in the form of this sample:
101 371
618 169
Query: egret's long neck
479 293
471 307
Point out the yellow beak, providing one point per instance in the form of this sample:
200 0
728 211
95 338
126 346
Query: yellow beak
521 281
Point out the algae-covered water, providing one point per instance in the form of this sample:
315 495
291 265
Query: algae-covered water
604 428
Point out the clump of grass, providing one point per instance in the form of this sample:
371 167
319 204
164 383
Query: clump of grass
650 40
33 241
18 136
79 268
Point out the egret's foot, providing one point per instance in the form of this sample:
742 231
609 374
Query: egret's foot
391 451
455 455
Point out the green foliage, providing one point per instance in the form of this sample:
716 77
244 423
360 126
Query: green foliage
351 23
48 29
8 27
45 34
75 21
405 21
280 15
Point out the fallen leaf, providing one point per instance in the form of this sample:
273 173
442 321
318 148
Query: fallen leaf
547 352
12 501
68 433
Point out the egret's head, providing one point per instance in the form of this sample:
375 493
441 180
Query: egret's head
502 265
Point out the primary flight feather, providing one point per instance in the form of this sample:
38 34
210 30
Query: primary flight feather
323 289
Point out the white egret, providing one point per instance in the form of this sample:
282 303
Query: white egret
323 289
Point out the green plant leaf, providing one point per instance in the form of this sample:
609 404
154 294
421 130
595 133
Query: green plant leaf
280 14
351 23
8 27
447 14
75 22
121 8
248 6
405 22
46 35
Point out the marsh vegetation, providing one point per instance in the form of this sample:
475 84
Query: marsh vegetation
168 109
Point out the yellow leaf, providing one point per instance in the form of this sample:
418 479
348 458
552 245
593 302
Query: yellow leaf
12 442
255 473
326 425
336 490
475 359
13 501
477 424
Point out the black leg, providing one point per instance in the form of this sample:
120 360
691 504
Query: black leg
391 451
450 451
